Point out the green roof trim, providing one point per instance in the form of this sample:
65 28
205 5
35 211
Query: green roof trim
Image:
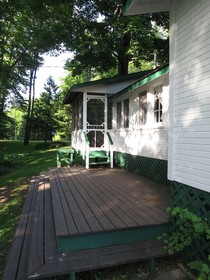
110 79
127 5
75 89
150 77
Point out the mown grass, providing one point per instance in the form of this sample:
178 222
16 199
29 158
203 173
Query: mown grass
27 161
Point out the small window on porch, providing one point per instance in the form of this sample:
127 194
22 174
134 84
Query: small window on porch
143 108
110 115
126 113
119 114
158 104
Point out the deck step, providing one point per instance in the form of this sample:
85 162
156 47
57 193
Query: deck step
35 251
92 259
98 157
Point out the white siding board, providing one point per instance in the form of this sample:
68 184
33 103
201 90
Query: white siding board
196 122
196 135
150 140
193 153
187 97
193 110
188 158
190 141
191 122
194 166
193 72
190 171
199 181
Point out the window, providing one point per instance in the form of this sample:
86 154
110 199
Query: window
143 108
110 115
158 104
119 114
126 113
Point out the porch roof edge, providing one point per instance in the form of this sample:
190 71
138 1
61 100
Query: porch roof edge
78 88
144 80
134 7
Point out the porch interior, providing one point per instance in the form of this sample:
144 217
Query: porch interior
81 219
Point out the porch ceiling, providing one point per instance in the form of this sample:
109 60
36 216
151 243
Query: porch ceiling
104 86
133 7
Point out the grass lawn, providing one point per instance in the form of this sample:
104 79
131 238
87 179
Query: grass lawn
27 162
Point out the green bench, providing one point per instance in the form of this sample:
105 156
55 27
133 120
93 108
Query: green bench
65 154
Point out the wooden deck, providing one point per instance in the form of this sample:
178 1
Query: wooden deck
82 219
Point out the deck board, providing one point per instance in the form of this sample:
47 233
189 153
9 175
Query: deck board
100 200
116 207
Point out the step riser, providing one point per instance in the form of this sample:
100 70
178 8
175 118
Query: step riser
98 240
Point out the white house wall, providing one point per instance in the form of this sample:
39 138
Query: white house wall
189 145
151 139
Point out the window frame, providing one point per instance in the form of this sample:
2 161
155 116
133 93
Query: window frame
126 117
143 108
158 106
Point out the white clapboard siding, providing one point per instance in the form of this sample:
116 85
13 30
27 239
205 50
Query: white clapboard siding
151 143
151 139
190 141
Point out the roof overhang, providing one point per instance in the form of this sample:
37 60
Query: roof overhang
143 81
104 86
133 7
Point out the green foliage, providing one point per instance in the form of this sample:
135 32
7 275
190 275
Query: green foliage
202 268
49 145
188 228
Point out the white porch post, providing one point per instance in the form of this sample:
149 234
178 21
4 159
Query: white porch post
84 124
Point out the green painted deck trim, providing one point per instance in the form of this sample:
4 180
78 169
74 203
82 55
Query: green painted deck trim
65 150
150 77
110 138
151 168
86 138
103 239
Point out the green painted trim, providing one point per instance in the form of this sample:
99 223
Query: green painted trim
110 138
86 138
75 89
151 168
143 81
103 239
112 79
127 5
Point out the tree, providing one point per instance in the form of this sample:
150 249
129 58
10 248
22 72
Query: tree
44 121
103 40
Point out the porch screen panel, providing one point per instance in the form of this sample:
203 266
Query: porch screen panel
126 113
77 113
95 112
110 115
119 114
143 108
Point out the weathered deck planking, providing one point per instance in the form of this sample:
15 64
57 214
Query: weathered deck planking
77 202
100 200
17 265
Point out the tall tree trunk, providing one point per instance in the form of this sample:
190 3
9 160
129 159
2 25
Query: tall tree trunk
30 101
123 56
28 118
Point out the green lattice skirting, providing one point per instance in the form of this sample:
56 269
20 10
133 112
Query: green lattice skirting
151 168
198 202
